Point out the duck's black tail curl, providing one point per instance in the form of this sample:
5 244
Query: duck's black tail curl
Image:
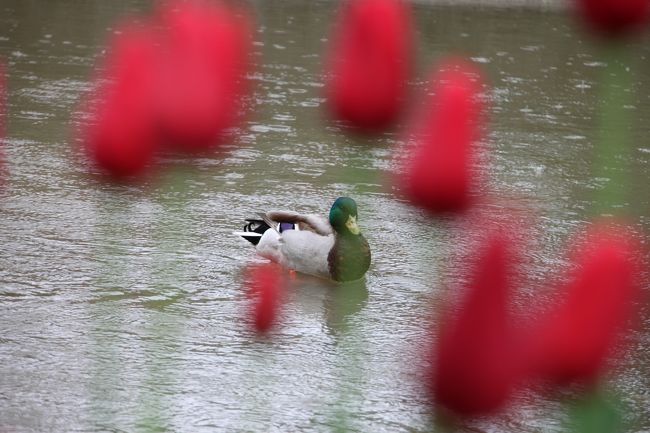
254 229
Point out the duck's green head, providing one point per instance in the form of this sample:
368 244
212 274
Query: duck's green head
343 216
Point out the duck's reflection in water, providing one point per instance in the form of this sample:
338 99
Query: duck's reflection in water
342 302
338 302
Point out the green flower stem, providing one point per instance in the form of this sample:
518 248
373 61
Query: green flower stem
596 412
613 143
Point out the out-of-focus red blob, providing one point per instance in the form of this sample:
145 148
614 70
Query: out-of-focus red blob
475 361
575 340
206 57
369 63
265 291
613 18
121 137
438 175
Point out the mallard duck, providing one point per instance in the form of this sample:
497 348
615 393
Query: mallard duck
310 244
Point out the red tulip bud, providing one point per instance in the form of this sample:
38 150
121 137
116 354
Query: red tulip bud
476 364
438 175
206 58
614 18
122 138
369 63
265 291
575 340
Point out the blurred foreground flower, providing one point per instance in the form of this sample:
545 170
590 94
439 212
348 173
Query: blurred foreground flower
206 49
438 175
369 63
122 135
265 290
578 336
614 18
481 359
179 79
476 363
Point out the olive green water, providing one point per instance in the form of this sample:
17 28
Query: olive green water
121 306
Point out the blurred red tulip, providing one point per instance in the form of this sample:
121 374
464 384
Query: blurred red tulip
575 340
476 365
614 17
438 176
121 138
207 50
370 61
265 291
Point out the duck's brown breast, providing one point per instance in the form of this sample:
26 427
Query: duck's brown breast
349 258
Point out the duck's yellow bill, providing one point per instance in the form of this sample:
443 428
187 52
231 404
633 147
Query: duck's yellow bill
352 226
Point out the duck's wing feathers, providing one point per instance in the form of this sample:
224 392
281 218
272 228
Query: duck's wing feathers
317 224
269 221
310 222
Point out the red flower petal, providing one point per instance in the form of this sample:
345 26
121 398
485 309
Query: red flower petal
576 339
438 176
122 137
206 58
265 291
476 364
370 61
613 18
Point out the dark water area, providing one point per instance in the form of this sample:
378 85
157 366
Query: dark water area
121 305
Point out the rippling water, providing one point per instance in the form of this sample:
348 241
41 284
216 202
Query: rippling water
121 306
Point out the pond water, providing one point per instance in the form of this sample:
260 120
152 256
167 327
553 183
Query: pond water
121 306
